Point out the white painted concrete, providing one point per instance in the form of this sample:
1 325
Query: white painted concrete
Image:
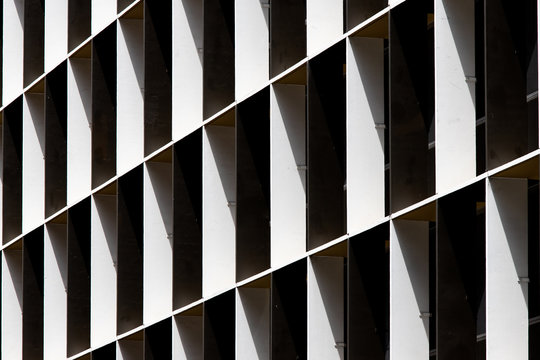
130 94
252 324
409 290
187 77
455 116
188 338
288 181
12 50
56 33
219 209
324 23
365 132
326 313
54 292
252 55
103 258
158 241
79 133
12 292
33 163
103 13
507 316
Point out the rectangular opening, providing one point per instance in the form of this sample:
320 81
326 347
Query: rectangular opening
158 341
34 29
326 141
287 34
218 58
104 106
121 5
253 185
107 352
511 74
131 347
158 237
219 327
33 295
358 11
56 140
157 74
368 295
253 320
289 312
188 335
78 292
187 220
79 26
461 277
12 170
412 104
130 251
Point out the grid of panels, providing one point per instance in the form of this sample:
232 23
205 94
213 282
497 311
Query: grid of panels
254 179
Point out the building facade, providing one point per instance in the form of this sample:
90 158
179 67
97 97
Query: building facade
269 179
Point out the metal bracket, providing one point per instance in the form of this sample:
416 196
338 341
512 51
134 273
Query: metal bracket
470 79
523 280
301 167
340 345
231 203
424 315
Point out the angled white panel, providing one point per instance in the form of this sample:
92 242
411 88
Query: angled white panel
158 229
79 135
54 292
12 48
219 211
507 316
287 175
455 129
251 46
33 164
187 77
324 23
188 338
326 334
130 349
409 290
1 183
394 3
12 292
103 257
103 13
365 132
130 94
252 324
56 25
